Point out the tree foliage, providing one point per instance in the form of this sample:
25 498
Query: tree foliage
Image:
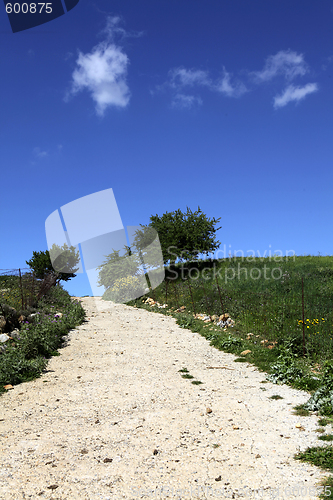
117 266
185 235
68 259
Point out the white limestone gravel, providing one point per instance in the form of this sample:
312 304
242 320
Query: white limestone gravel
112 418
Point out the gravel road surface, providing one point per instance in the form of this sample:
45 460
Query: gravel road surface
112 418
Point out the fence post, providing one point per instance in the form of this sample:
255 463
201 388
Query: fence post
153 294
303 318
21 289
219 294
33 287
264 306
176 295
189 286
210 317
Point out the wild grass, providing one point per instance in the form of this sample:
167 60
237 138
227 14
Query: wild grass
26 357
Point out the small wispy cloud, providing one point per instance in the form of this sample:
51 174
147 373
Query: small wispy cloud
226 88
292 93
184 101
328 61
113 28
68 56
286 63
181 78
38 153
103 71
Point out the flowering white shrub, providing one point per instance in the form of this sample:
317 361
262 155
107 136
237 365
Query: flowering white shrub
124 289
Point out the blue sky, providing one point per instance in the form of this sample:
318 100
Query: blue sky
175 103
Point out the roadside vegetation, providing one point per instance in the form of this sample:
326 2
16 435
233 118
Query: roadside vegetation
268 323
35 340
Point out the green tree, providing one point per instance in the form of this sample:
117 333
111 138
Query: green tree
147 247
185 235
117 266
67 259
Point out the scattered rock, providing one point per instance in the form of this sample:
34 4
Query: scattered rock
8 386
53 486
209 410
218 478
244 353
224 321
15 334
4 337
107 460
203 317
269 345
155 452
152 303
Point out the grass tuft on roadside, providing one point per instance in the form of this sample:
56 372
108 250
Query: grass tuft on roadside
26 356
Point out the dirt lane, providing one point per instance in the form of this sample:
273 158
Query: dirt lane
113 418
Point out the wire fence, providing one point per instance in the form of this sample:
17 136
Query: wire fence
22 286
298 307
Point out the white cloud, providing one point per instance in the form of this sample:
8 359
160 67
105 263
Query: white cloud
329 60
286 63
103 73
69 55
293 93
112 28
181 77
225 87
185 101
39 153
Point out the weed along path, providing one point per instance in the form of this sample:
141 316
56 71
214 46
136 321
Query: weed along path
113 417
